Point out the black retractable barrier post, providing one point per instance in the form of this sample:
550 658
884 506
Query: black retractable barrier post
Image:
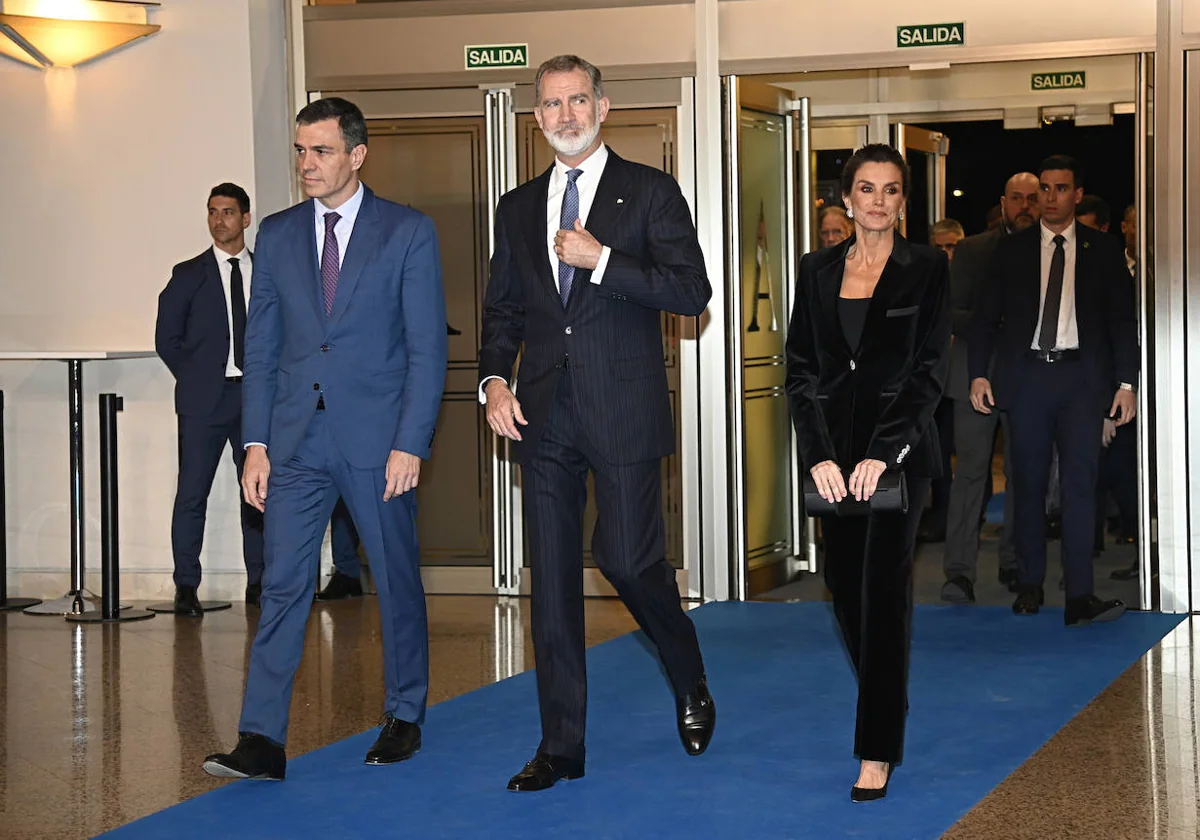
110 596
6 603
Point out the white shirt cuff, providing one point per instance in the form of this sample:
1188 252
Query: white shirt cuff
482 385
254 443
601 264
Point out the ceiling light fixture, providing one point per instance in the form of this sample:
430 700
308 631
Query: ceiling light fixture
67 33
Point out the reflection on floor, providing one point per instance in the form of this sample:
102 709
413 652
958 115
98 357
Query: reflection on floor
101 725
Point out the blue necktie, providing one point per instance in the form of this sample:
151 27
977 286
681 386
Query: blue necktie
566 221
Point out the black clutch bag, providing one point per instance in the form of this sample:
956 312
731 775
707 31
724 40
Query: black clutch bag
890 496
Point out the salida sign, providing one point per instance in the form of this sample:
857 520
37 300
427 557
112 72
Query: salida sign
931 35
1059 81
487 56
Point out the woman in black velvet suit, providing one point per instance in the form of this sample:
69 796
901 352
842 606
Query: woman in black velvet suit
868 350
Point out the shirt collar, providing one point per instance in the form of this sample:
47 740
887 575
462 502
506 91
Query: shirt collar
1048 235
348 211
222 257
594 163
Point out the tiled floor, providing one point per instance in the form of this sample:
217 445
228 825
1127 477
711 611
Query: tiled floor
101 725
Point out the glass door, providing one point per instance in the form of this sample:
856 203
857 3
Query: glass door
926 153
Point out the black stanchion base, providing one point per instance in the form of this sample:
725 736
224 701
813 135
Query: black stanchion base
18 603
206 606
97 617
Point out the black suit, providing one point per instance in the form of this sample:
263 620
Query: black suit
873 402
593 387
192 338
1060 404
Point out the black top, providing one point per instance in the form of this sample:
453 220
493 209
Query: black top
852 312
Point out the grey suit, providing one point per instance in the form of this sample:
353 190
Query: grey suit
974 433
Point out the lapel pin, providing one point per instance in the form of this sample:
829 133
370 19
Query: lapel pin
620 201
1087 244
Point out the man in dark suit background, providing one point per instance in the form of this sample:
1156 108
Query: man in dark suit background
1058 313
587 257
200 335
345 367
975 433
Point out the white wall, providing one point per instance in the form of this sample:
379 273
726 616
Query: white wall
107 169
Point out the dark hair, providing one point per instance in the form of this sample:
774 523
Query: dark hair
993 215
1094 204
567 64
228 190
349 118
1062 162
874 153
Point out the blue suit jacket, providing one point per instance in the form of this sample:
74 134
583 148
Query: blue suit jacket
379 358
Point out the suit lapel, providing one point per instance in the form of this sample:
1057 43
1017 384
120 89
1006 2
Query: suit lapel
537 226
363 242
829 287
891 279
306 256
613 195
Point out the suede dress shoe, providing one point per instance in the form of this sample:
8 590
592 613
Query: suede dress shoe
696 714
1029 601
1088 608
544 770
398 741
958 590
340 587
186 601
858 794
253 594
254 757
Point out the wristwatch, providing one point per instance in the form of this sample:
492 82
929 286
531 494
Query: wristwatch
1125 386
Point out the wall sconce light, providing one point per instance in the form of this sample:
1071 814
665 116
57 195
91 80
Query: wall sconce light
65 33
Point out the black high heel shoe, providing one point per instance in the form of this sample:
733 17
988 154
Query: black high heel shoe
858 794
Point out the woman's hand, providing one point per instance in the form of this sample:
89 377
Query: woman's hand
864 479
828 477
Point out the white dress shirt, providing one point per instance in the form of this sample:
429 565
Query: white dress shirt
1068 327
586 183
226 271
344 227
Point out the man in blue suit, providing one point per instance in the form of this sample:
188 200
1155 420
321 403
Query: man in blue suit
345 366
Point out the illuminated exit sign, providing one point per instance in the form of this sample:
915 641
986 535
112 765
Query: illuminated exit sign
931 35
1059 81
488 56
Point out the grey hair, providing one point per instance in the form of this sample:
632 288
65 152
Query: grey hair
568 64
947 226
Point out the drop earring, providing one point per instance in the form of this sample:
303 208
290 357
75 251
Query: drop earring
850 213
902 215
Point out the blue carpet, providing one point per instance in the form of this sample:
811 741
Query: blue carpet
987 690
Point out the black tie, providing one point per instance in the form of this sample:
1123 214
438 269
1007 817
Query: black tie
237 303
1048 337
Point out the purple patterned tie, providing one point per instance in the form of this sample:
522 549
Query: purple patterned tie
330 264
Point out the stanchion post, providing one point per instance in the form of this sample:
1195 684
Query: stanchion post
110 572
6 603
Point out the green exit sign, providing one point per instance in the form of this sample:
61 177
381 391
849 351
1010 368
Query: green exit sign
1076 80
931 35
487 56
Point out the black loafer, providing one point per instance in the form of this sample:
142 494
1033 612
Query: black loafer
1089 608
958 590
1029 601
696 715
340 586
544 770
399 741
187 602
254 757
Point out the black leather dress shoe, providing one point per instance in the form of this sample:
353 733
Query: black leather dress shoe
340 586
1129 573
1009 577
186 602
1029 601
254 757
399 741
696 714
1089 608
958 590
253 594
544 770
858 794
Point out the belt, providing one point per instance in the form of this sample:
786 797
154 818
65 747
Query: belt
233 379
1051 357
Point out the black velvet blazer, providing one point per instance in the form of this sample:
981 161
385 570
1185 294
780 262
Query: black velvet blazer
878 402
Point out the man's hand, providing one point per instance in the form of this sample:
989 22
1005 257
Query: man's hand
865 478
827 475
981 396
254 477
503 410
577 247
1124 402
402 473
1110 432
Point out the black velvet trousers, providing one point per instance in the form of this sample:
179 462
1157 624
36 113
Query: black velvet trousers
869 571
